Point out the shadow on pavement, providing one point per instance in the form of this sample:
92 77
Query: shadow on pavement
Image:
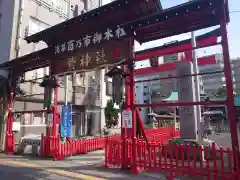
22 173
112 173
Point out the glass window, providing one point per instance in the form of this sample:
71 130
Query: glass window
36 26
109 88
62 4
55 2
39 73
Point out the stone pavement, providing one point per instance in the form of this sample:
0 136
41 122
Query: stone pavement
85 167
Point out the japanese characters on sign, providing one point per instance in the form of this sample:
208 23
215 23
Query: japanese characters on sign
111 53
88 40
84 61
127 118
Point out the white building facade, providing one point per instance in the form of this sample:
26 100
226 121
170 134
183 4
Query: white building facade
21 18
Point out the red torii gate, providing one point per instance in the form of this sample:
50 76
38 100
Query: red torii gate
191 16
185 23
204 40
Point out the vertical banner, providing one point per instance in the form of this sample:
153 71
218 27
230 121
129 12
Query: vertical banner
64 119
69 121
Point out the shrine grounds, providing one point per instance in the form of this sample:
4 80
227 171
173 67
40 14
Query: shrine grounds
85 167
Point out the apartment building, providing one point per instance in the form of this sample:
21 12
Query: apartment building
213 81
236 74
21 18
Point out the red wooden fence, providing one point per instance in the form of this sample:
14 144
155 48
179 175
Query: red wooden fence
176 160
53 147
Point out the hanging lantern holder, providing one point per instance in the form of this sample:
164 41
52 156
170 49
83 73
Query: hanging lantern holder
116 71
50 82
117 76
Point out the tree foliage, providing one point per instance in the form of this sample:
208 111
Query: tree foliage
5 92
5 89
111 114
221 91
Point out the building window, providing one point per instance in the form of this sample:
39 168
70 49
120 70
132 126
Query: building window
39 73
146 102
80 79
61 81
62 5
109 88
80 89
145 94
36 26
93 5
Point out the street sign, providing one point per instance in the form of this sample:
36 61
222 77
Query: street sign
127 118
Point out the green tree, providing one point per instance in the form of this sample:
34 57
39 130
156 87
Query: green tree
221 91
111 114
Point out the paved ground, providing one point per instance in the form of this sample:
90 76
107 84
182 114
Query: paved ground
223 139
85 167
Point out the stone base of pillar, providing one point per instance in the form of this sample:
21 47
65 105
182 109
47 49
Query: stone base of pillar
10 142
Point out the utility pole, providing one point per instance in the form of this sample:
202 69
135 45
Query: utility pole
66 76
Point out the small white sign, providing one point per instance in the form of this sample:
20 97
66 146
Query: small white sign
127 118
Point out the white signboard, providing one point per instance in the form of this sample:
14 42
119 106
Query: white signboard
127 118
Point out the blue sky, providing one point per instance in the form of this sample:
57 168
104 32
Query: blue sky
233 32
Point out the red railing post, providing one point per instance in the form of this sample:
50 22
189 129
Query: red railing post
9 135
106 164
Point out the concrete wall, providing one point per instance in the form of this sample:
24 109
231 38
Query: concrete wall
7 15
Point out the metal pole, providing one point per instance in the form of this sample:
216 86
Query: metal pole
66 77
196 84
55 115
133 106
66 89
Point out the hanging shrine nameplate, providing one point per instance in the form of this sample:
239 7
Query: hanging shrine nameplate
112 53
